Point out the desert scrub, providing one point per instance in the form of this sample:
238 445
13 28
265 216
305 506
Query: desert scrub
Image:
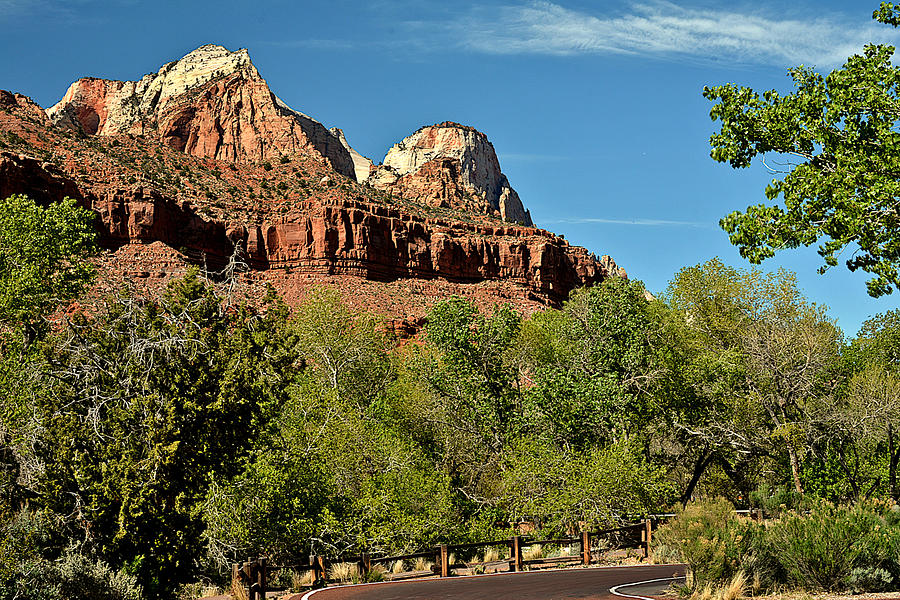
826 547
837 548
713 541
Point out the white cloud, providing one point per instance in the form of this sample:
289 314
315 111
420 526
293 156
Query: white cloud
11 7
660 28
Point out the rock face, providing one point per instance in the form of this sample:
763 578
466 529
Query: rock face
350 238
382 243
451 165
212 103
181 173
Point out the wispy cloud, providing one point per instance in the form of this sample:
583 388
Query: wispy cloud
638 222
14 7
657 28
73 11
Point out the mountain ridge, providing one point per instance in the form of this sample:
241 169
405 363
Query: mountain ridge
222 170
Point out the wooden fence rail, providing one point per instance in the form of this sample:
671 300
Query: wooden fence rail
254 573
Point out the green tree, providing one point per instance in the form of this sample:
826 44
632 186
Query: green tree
842 187
562 490
42 258
762 355
594 364
865 423
155 400
869 421
467 393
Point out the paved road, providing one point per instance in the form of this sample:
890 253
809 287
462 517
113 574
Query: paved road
563 584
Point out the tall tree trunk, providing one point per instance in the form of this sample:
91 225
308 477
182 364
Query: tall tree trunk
893 459
734 473
795 468
852 479
699 469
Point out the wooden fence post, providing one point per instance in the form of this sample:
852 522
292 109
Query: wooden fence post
261 578
445 560
515 553
586 547
648 536
365 565
250 569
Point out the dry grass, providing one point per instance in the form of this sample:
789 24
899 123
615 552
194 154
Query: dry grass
397 567
735 590
533 552
422 564
491 554
792 595
736 587
238 591
343 572
299 581
378 572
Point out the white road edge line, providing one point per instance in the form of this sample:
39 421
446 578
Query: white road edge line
310 593
615 589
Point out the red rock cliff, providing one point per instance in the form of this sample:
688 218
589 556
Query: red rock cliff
186 192
212 103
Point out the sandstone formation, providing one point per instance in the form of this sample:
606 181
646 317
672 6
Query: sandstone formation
211 103
173 171
451 165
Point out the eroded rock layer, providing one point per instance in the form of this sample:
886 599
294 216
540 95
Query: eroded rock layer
212 103
451 165
174 182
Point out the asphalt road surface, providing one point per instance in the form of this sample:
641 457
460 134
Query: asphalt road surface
563 584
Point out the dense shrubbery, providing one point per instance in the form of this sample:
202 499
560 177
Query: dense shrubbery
149 443
32 568
827 547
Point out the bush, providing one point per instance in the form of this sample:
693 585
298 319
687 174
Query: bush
837 548
72 577
78 576
827 547
776 500
713 541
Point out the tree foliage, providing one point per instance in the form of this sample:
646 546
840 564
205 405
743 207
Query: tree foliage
154 400
840 189
42 252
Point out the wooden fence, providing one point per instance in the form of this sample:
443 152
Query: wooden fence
255 573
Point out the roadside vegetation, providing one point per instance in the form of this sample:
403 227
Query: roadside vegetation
148 444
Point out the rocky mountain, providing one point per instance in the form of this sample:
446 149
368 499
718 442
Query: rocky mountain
200 163
451 165
212 104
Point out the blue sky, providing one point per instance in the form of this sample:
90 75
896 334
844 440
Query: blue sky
595 108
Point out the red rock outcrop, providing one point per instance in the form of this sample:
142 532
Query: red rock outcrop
450 165
182 193
212 103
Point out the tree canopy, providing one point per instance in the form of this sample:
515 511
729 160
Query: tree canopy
840 187
41 256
